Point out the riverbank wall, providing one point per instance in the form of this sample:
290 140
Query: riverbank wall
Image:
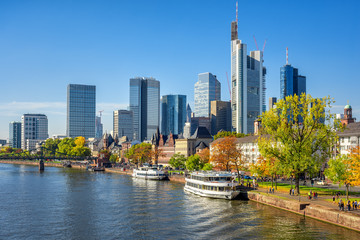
322 213
47 164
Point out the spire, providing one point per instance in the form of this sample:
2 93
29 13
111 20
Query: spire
287 56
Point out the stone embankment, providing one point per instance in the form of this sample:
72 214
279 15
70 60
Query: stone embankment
322 213
47 164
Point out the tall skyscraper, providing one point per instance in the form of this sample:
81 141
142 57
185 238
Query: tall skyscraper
247 83
81 107
15 134
220 116
98 127
173 114
145 105
34 128
123 124
272 102
290 81
207 89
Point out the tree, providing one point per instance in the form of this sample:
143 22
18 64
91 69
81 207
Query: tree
345 169
50 146
204 155
207 167
226 155
222 134
194 163
299 133
66 145
139 153
113 158
178 160
266 167
157 152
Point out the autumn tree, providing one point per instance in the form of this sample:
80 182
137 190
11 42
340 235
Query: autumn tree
299 133
204 155
226 154
345 169
157 152
140 153
266 167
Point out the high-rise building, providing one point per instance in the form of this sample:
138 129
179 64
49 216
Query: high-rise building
145 105
81 107
123 124
173 114
207 89
98 127
220 116
272 102
290 81
247 83
34 128
15 134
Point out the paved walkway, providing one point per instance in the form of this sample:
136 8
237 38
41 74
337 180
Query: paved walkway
319 201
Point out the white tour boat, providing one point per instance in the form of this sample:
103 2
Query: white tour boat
150 173
212 184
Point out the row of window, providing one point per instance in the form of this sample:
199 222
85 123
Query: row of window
210 179
146 174
209 188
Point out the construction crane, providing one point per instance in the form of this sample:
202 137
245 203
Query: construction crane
100 112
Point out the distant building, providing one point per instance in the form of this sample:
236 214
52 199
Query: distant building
188 113
34 128
207 89
166 144
145 105
15 134
3 142
347 117
197 122
247 84
220 116
123 124
98 127
349 138
272 102
81 107
291 82
198 141
173 114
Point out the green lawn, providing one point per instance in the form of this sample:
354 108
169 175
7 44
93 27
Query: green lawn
284 187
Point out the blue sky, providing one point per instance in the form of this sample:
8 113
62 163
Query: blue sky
45 45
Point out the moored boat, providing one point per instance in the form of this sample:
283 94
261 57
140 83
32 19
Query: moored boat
212 184
150 173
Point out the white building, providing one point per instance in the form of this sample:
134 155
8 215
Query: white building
34 127
349 138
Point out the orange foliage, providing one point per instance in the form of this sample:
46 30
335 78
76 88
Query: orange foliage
204 155
226 155
353 163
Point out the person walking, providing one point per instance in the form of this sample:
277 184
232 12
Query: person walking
340 203
333 199
293 192
356 204
348 205
290 191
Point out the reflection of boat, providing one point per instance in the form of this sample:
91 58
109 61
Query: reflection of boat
94 168
150 173
67 164
212 184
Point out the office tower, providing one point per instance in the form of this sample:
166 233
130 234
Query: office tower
34 128
207 89
188 113
81 107
145 105
123 124
200 122
98 127
247 83
173 114
272 102
220 116
15 134
290 81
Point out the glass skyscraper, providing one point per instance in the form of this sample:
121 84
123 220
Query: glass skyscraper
173 114
247 84
15 134
207 89
291 82
81 108
123 124
34 128
145 105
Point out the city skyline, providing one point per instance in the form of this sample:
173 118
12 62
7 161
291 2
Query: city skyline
43 51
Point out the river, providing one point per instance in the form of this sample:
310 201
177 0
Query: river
64 203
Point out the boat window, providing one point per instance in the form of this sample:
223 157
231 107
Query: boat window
221 189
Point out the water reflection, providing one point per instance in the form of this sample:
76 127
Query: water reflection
75 204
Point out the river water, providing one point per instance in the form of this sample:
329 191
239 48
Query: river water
74 204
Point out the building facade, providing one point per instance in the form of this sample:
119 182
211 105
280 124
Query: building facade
98 127
15 134
81 108
207 89
291 82
123 124
145 105
173 114
272 102
34 128
347 117
349 138
220 116
247 84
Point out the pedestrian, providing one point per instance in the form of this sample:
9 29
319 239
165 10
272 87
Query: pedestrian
273 190
356 204
353 205
293 192
333 199
348 205
309 195
290 191
340 204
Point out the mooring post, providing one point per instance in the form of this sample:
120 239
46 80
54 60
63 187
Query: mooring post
41 165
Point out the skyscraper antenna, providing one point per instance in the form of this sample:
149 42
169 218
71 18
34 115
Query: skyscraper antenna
287 56
236 13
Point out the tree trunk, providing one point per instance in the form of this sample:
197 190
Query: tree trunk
272 181
275 182
347 192
297 183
